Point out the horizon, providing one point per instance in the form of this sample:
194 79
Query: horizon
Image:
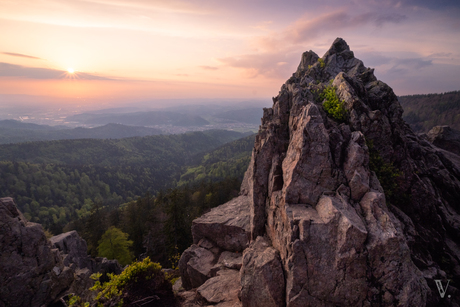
116 53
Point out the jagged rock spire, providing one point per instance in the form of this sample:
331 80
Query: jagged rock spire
315 196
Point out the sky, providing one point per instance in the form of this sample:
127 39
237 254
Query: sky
125 51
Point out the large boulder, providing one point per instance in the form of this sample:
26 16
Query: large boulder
227 225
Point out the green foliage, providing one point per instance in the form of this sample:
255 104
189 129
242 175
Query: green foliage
76 301
321 63
134 274
114 244
332 105
174 259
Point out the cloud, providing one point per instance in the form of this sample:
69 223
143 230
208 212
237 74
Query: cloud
20 55
305 29
11 70
280 48
403 66
272 65
206 67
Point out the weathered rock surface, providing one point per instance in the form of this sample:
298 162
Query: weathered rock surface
262 277
222 290
227 226
31 272
338 233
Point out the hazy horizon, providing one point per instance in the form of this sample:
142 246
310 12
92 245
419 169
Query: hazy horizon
116 53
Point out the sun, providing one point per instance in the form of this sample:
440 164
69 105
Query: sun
70 70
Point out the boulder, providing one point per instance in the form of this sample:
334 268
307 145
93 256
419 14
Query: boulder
73 249
227 225
222 290
195 266
262 278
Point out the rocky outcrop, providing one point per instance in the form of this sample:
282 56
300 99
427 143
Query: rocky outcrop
35 271
73 251
31 272
358 212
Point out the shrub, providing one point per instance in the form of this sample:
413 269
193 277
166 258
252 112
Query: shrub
139 280
332 105
321 63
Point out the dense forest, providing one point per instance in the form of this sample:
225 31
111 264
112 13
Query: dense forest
229 160
423 112
159 226
56 182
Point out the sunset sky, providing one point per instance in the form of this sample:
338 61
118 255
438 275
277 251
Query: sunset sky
139 50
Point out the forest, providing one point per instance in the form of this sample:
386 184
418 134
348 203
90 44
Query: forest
56 182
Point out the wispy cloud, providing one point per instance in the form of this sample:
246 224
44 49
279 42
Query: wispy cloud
11 70
280 48
270 64
20 55
206 67
306 29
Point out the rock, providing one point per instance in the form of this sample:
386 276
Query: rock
73 249
31 271
227 225
262 278
195 266
222 290
355 213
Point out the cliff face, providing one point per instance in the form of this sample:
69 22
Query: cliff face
320 221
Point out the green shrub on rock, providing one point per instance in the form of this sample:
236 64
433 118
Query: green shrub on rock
139 282
332 105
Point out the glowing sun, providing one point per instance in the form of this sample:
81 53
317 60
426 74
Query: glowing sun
70 70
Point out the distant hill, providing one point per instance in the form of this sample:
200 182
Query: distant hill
15 124
250 115
423 112
12 131
150 118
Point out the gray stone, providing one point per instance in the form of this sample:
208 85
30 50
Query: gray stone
195 266
227 225
262 278
222 290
